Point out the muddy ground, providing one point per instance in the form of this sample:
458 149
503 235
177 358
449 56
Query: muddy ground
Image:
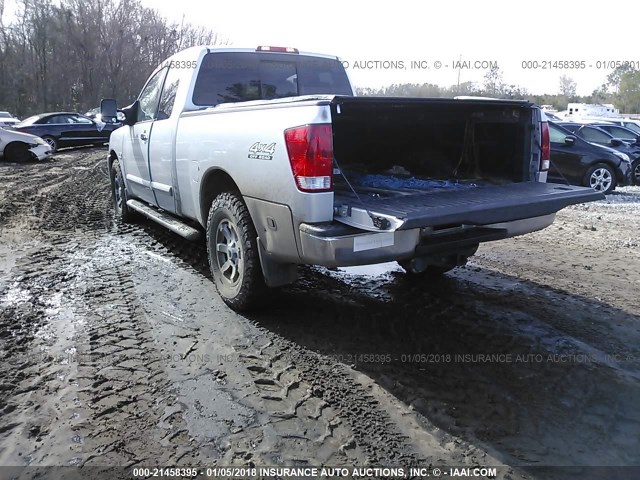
116 350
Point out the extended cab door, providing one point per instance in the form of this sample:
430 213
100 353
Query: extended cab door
136 155
162 149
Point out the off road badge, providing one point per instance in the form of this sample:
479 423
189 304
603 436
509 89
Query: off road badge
262 151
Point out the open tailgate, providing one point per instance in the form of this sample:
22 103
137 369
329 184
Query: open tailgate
475 206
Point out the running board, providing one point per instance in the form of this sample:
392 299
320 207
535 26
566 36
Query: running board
166 220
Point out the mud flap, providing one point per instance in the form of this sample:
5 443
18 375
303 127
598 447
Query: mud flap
276 274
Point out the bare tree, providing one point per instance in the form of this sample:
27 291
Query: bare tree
70 53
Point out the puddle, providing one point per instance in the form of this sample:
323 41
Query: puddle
374 270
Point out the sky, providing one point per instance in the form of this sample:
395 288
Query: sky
401 32
418 42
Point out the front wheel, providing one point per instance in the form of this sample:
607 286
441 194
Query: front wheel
232 247
601 178
123 212
18 152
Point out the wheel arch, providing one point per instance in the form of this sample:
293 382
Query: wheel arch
606 161
15 142
213 182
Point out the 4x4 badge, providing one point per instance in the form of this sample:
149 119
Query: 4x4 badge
262 151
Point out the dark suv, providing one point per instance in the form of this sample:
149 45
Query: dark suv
579 162
631 137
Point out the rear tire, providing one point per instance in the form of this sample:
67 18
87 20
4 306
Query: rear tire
601 178
232 247
119 192
18 152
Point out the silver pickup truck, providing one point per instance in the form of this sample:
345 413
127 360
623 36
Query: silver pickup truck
268 155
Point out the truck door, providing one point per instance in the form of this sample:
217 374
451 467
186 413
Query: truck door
136 156
162 165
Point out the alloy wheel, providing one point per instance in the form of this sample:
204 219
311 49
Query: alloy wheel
600 179
229 252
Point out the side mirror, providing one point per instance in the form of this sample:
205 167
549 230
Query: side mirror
616 142
569 140
108 110
131 113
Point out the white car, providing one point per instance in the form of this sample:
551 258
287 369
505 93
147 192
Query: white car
6 119
20 147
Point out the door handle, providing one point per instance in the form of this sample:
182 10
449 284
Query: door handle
143 136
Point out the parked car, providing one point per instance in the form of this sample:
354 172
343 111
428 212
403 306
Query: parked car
269 156
603 134
617 131
21 147
67 129
6 119
579 162
628 135
624 122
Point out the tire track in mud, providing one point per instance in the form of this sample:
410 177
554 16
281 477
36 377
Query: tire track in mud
298 382
520 409
88 360
81 202
36 294
314 413
293 378
123 380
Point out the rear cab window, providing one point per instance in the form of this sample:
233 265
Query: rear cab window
238 77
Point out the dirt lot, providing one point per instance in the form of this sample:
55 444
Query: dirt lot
116 350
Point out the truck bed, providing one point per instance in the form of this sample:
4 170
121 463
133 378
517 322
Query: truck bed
440 208
409 163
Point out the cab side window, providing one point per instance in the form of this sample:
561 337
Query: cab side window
150 96
168 97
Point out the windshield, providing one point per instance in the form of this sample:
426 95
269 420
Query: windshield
632 126
620 132
5 115
239 77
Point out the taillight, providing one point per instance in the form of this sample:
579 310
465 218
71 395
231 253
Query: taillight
310 149
545 154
